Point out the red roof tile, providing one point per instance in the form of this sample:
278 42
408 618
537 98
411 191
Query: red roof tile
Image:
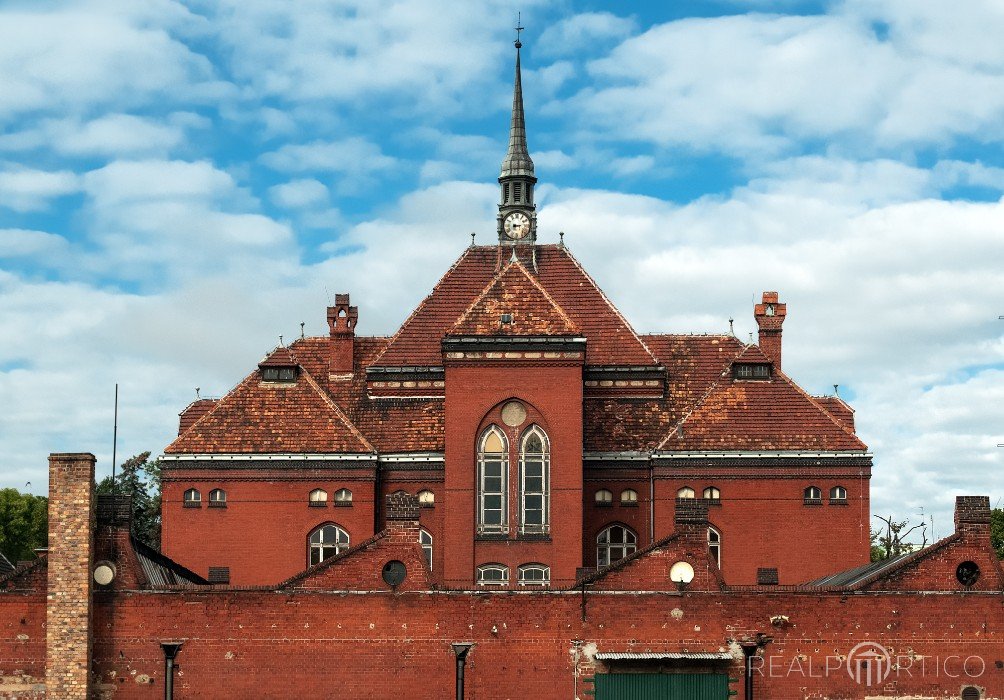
515 292
610 340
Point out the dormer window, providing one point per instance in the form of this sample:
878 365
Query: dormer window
278 374
759 371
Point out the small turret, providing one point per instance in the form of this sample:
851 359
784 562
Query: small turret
342 320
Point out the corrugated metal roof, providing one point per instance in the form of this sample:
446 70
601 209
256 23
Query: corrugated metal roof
658 655
851 576
161 571
5 566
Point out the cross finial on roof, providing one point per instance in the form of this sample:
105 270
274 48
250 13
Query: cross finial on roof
519 27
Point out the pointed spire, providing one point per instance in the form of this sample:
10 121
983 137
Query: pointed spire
517 158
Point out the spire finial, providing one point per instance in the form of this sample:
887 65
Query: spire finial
519 27
473 234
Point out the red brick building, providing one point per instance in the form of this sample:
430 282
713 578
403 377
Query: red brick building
543 434
515 496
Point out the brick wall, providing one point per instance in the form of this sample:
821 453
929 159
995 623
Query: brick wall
70 559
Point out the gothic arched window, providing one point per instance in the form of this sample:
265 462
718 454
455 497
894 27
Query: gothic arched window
493 481
534 481
613 543
715 545
425 539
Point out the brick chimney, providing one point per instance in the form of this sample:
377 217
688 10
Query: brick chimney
691 519
71 558
972 514
769 317
342 325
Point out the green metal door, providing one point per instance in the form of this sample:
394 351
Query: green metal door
662 686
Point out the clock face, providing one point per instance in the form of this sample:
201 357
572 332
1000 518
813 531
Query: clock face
517 225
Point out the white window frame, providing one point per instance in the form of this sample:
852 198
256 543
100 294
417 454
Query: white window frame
543 582
686 492
196 501
526 461
715 545
215 500
604 496
426 498
503 580
317 496
626 547
629 496
342 495
812 494
502 459
341 542
425 539
838 494
712 493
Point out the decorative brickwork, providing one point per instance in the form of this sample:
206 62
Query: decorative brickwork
68 614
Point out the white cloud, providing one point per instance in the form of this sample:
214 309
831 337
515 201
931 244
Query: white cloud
16 243
582 31
353 155
30 190
299 194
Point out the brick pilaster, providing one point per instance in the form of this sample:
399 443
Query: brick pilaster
71 553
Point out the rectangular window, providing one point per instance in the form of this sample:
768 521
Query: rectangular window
493 493
534 518
278 374
759 371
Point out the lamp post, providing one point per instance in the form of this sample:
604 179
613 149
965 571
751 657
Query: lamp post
461 649
171 650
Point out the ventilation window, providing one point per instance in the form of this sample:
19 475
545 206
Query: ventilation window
217 498
278 374
712 494
838 495
968 573
686 492
535 575
812 496
971 693
506 319
426 498
493 575
604 497
343 497
193 499
219 574
758 372
505 193
517 191
629 497
318 498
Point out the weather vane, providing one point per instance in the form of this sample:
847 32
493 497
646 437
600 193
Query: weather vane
519 28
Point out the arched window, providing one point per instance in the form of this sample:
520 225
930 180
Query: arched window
217 498
812 495
613 543
193 499
493 481
425 539
493 575
838 494
712 493
426 498
715 545
534 575
318 498
629 497
534 481
604 497
327 541
343 497
686 492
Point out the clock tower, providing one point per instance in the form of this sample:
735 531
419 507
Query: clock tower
517 217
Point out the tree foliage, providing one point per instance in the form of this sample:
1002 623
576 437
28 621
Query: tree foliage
890 540
24 522
140 477
997 531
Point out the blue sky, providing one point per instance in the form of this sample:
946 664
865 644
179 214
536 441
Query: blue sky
182 182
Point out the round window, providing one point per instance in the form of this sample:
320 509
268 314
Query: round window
513 414
968 573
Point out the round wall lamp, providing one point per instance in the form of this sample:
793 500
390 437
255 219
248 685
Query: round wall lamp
104 573
681 573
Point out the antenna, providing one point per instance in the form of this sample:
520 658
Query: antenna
115 437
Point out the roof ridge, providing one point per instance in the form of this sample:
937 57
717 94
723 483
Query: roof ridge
376 360
700 401
526 274
338 411
906 560
609 303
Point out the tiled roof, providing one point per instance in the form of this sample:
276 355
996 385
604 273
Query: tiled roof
273 417
279 357
514 292
759 415
837 408
611 341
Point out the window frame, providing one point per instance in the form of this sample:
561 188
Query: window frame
812 496
342 502
492 566
543 458
425 539
215 501
192 502
606 501
838 495
543 582
426 498
502 460
752 371
712 493
604 548
686 493
317 503
339 546
277 374
714 538
629 497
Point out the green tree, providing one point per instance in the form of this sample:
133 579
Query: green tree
24 524
997 531
140 477
890 541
